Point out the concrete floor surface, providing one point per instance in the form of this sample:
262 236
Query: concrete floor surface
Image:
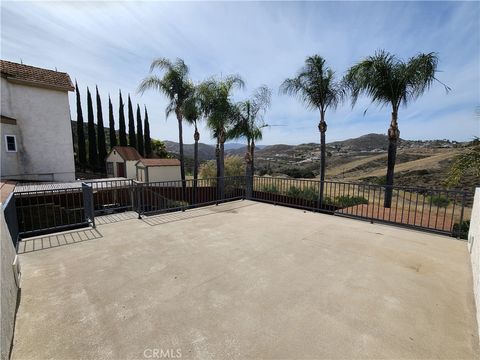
246 280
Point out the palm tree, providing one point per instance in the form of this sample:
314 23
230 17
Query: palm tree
249 125
219 111
389 80
176 86
192 113
316 87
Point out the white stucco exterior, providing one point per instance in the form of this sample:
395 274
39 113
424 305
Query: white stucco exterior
474 249
115 158
43 133
158 173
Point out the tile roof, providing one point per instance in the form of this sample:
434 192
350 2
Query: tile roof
127 152
35 75
160 162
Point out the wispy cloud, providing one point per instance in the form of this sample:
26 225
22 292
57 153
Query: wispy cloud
112 44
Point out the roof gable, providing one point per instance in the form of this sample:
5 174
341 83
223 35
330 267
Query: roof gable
127 153
35 76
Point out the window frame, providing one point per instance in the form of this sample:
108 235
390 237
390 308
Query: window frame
14 142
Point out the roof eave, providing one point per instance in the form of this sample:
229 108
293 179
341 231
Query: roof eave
39 84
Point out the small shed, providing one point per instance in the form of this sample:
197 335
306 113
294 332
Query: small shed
121 162
152 170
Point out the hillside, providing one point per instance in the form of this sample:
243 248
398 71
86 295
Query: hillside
205 151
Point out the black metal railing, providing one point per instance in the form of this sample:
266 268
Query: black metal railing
438 210
158 197
46 211
110 196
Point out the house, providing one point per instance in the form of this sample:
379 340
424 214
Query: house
121 162
35 127
152 170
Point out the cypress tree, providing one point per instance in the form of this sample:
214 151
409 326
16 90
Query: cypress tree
111 124
82 154
92 141
121 123
102 147
132 140
139 133
147 140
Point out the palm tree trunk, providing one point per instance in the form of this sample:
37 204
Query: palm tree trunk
252 164
180 144
221 172
393 136
248 171
196 137
322 127
217 158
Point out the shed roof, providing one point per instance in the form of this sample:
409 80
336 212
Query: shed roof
127 152
159 162
35 75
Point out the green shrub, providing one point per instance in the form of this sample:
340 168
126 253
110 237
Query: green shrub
308 193
347 201
294 191
461 230
440 201
270 188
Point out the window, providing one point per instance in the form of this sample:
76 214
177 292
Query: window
109 168
11 143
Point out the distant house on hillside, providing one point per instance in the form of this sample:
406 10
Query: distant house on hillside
121 162
151 170
35 127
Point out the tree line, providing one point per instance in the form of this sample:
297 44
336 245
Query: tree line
94 157
385 78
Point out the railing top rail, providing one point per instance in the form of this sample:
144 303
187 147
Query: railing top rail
395 187
49 191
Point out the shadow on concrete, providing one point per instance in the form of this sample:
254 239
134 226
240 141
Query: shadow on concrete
113 218
56 240
159 219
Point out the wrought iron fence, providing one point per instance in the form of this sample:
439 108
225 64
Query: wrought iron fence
438 210
46 211
110 196
157 197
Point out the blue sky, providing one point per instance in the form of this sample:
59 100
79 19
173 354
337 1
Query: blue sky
111 44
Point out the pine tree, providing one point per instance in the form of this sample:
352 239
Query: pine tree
111 124
92 141
121 123
132 140
81 151
102 146
147 140
140 133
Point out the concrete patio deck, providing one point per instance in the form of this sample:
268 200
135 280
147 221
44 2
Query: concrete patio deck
246 280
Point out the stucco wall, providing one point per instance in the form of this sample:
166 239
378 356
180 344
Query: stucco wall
163 173
44 134
474 248
131 169
9 290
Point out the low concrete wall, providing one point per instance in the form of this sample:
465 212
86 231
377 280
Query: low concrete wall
474 248
9 289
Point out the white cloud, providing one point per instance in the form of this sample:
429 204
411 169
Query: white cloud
112 44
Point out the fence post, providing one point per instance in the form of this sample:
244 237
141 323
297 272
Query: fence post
137 194
88 203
